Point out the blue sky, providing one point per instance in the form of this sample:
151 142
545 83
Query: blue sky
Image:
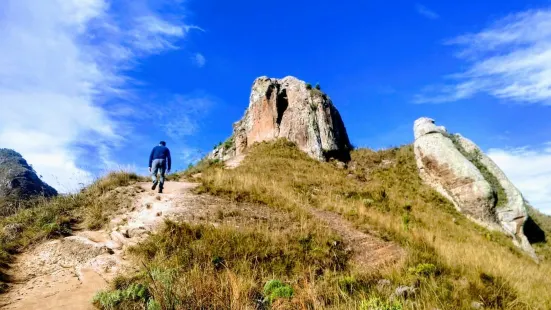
89 86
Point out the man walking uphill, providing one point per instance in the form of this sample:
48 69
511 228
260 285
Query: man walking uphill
160 156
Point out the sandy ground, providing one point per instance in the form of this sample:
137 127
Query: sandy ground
66 273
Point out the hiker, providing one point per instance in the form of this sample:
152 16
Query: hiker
160 156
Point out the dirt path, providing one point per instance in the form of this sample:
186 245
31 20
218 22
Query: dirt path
369 251
66 273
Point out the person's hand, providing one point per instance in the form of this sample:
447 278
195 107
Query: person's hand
149 169
168 171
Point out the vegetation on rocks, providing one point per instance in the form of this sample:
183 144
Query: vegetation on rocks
19 183
474 158
449 262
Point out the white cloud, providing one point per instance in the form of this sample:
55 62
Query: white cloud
62 64
426 12
199 60
510 59
530 170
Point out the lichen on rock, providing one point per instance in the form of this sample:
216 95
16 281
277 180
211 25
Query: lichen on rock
458 169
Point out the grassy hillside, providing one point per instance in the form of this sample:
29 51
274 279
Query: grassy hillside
294 262
50 218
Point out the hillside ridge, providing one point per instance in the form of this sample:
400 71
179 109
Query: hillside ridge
19 182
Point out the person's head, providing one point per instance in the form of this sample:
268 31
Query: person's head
162 143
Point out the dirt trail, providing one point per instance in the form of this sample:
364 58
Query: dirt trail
369 251
66 273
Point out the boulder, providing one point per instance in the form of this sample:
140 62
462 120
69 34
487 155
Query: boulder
289 108
404 292
460 171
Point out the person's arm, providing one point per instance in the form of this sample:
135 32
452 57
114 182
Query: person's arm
151 158
168 159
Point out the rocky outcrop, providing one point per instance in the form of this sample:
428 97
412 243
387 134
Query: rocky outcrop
289 108
461 172
18 180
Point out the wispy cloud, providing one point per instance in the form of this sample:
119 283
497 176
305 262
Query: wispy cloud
182 114
63 65
199 60
510 59
426 12
529 168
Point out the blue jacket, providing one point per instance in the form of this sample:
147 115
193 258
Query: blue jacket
160 152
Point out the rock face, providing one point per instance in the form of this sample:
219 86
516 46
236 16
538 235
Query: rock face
289 108
460 171
18 180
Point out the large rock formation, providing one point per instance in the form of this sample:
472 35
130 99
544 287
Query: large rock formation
289 108
460 171
18 180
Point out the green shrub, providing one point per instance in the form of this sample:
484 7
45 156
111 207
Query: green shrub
318 87
153 305
376 303
405 221
423 269
348 284
108 300
275 289
229 143
308 86
112 299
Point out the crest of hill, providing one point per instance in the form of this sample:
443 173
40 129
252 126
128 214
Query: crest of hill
18 180
292 109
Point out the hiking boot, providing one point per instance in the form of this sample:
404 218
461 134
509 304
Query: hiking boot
154 185
160 189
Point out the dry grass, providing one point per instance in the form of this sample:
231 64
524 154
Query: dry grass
384 193
450 261
49 218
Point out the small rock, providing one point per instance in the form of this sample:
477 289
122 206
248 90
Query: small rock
117 236
148 205
404 291
159 213
114 245
477 305
340 165
383 283
136 232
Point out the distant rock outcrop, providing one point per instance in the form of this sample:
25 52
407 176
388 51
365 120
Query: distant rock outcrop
18 180
289 108
461 172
